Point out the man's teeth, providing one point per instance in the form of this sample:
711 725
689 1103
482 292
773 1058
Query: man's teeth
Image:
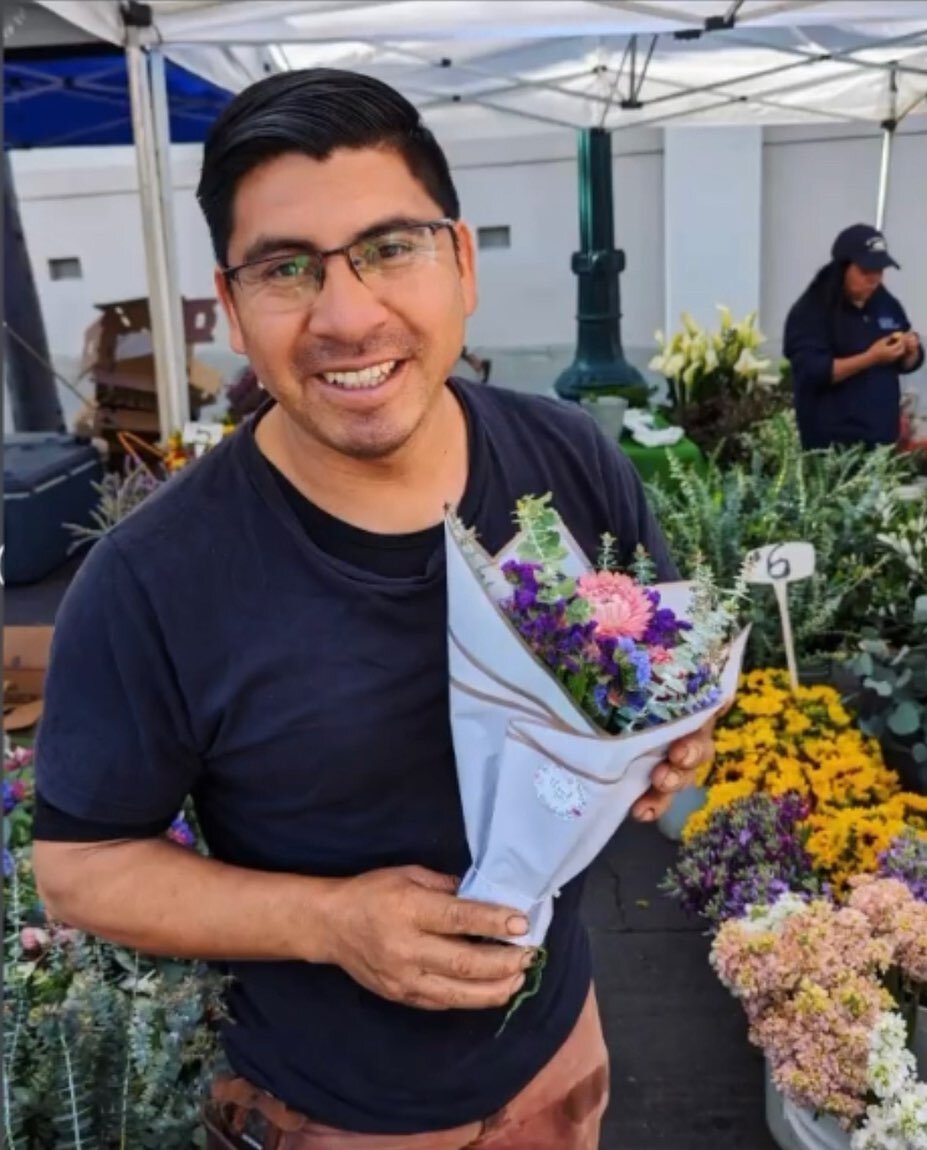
367 377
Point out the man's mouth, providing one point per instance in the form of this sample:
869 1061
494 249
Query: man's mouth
364 379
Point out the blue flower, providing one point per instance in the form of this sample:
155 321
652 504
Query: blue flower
9 799
8 864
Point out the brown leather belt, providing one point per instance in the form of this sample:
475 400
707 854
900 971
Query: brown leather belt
239 1116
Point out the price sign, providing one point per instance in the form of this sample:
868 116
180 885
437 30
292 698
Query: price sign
778 565
201 436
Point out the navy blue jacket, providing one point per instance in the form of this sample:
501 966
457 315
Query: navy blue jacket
866 408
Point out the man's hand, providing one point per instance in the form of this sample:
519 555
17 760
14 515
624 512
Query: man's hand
404 934
889 349
683 760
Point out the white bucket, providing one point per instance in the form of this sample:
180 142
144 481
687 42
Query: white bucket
812 1133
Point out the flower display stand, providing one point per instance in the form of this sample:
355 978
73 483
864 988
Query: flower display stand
684 804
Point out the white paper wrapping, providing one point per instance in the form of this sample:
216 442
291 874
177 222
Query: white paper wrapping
543 788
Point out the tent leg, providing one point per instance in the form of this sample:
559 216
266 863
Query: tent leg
167 341
162 142
888 137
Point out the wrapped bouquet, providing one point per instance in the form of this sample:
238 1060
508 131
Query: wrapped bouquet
568 684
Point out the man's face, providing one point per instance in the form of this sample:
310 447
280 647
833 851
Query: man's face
859 284
413 319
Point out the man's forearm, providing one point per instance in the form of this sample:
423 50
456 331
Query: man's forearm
160 898
849 366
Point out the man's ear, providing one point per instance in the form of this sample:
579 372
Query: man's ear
224 292
466 261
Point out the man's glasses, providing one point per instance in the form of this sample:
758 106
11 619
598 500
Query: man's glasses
282 281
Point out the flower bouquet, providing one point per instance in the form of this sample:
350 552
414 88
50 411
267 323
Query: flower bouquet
567 686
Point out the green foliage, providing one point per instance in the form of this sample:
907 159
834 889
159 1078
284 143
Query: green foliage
840 501
104 1048
119 494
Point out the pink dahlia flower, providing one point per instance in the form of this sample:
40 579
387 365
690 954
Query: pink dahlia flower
620 607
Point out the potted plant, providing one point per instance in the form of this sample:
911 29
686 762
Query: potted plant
718 385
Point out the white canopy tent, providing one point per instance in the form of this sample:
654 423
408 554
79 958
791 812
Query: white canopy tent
498 68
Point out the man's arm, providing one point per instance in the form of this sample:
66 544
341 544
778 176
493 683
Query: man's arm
118 746
161 898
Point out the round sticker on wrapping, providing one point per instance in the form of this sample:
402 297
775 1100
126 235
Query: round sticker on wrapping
560 791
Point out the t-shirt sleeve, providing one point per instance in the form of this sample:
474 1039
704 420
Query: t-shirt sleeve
906 326
807 347
634 521
114 744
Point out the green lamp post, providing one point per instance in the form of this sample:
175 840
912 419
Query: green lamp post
599 367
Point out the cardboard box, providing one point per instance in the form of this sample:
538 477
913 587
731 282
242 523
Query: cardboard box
119 357
26 652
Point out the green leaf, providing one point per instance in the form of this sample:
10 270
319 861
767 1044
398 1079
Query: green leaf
905 719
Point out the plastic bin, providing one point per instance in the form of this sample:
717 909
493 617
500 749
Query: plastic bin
48 481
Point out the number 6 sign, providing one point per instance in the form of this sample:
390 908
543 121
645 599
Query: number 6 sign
778 565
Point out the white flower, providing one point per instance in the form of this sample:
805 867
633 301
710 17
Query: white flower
899 1124
892 1067
748 364
757 919
727 320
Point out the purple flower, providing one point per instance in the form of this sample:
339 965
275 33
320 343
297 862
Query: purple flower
906 860
8 864
180 832
750 853
9 797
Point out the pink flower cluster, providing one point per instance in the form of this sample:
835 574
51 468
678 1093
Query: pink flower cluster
897 918
810 987
620 607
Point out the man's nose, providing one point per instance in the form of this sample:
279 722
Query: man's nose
345 308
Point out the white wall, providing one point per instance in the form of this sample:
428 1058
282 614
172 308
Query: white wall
814 181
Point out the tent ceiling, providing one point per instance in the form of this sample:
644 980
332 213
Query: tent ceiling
508 67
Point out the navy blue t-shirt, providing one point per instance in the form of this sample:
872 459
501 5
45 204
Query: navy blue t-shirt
210 646
866 407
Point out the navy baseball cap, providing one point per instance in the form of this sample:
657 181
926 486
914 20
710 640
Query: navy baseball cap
864 246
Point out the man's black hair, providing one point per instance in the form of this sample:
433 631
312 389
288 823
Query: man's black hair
313 112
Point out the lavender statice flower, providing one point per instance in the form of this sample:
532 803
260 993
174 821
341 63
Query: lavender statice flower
750 853
906 860
180 832
664 628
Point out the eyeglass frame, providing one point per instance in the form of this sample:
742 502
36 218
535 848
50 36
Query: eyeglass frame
231 274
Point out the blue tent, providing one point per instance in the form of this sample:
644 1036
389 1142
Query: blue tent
80 97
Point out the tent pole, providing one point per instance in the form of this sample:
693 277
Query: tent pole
162 144
888 135
168 386
888 138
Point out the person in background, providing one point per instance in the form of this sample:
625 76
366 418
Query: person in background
848 339
481 366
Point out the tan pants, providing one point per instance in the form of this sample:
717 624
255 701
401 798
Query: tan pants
560 1109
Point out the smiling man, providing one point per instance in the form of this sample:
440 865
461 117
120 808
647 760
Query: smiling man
268 635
